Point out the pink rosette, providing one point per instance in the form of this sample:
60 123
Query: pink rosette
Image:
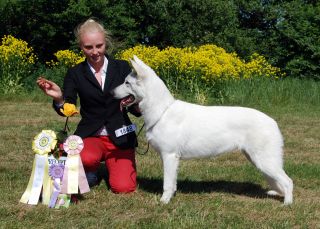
73 145
74 177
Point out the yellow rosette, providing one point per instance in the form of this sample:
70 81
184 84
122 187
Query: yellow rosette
74 177
39 180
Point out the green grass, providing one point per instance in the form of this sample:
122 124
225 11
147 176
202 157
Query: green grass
268 92
222 192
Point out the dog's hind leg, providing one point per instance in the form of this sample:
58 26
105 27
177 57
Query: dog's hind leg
271 167
170 170
276 190
280 183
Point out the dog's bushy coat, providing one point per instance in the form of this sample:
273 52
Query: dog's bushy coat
177 129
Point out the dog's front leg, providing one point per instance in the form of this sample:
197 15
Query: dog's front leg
170 170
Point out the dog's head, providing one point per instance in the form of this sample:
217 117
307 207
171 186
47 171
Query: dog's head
132 90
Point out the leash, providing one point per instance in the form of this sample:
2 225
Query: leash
146 151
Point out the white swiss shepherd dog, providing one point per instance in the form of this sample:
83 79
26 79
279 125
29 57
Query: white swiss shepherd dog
178 129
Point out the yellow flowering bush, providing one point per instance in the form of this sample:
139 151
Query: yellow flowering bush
209 62
258 66
16 62
200 68
66 58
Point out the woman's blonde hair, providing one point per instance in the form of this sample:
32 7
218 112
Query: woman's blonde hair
92 25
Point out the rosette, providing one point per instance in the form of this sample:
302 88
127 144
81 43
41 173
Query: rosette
42 144
74 177
73 145
56 173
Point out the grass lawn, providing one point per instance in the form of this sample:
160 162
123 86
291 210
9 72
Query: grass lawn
222 192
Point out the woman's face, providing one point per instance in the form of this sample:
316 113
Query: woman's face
93 45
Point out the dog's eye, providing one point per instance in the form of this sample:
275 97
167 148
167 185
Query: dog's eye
127 83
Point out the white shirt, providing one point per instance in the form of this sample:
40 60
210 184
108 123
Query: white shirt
103 73
102 130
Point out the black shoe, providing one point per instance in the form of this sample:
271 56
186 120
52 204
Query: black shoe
92 178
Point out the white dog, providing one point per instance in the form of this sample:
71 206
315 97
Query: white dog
177 129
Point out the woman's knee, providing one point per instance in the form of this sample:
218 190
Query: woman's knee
122 185
123 189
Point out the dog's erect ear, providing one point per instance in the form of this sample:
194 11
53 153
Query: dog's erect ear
135 67
139 67
138 61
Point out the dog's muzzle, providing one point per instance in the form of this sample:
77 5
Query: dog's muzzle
127 101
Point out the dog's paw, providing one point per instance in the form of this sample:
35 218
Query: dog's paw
273 193
165 198
287 202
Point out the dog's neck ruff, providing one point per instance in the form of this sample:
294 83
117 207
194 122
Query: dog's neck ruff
158 119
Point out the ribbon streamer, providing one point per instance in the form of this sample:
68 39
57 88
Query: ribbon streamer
39 180
56 173
74 178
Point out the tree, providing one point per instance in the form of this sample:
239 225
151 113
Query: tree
48 26
286 32
300 29
181 23
35 22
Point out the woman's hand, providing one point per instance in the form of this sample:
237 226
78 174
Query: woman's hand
51 89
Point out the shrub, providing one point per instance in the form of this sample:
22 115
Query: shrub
58 68
201 69
66 58
16 62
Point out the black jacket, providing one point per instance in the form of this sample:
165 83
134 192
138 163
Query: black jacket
98 107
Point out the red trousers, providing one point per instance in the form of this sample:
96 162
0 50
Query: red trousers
119 163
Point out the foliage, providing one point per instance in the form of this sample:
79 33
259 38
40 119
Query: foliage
38 23
202 69
284 32
300 28
66 58
185 23
54 70
16 62
56 74
48 25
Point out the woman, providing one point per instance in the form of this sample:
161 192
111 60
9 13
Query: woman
92 81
